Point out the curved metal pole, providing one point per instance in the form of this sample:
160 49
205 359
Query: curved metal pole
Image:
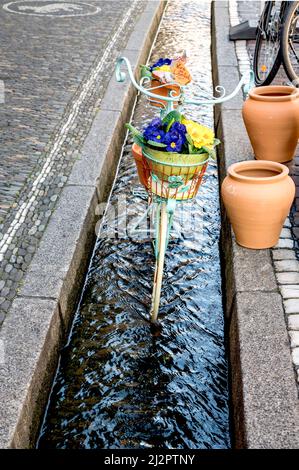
121 77
247 81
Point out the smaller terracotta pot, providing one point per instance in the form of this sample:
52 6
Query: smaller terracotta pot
257 196
163 91
271 117
141 165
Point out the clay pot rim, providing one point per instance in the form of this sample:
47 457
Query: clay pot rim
259 165
261 93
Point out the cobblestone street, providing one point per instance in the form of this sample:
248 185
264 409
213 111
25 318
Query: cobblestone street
55 69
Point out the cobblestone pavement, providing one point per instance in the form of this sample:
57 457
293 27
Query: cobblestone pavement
55 70
286 254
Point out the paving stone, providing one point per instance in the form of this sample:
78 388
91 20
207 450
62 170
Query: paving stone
294 337
291 306
29 357
290 292
288 278
283 254
269 393
293 322
295 356
286 233
284 243
250 265
287 266
287 223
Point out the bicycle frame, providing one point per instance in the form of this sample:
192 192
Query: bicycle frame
165 207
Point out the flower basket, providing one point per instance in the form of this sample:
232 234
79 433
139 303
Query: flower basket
163 91
171 155
166 76
173 176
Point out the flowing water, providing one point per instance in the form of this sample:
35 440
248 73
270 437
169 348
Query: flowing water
121 384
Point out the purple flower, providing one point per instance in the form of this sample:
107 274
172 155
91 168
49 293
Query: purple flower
154 130
178 127
174 141
160 62
156 123
152 133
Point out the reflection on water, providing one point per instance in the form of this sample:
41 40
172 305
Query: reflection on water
119 385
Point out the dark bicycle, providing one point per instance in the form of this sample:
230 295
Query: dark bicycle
277 41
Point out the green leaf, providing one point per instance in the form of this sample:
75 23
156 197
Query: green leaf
156 144
217 142
190 148
174 116
134 132
188 137
211 152
169 125
145 71
139 141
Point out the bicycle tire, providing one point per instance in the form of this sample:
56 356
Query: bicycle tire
264 22
287 63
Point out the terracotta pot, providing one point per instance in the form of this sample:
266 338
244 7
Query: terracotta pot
271 117
163 91
257 196
141 165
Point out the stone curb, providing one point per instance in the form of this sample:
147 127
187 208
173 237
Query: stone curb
265 411
39 319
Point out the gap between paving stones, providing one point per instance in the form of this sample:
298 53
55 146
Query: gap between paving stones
265 402
39 318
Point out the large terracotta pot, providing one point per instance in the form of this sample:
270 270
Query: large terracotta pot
163 91
271 117
257 196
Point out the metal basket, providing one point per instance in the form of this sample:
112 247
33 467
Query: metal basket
173 175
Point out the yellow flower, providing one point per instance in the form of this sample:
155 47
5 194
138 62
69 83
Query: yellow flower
163 68
202 136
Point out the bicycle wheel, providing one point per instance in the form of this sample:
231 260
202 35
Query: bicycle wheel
162 220
267 53
290 43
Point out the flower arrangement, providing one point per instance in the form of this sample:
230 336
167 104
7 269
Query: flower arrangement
176 134
168 71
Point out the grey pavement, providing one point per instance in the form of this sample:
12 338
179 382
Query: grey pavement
261 286
287 268
55 70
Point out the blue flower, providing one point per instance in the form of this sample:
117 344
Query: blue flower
159 63
178 127
152 133
174 141
156 123
154 130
